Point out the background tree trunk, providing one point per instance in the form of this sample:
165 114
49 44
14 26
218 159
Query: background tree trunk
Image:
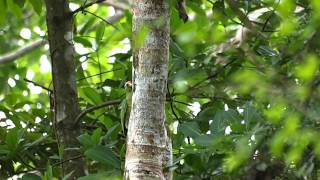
66 107
148 145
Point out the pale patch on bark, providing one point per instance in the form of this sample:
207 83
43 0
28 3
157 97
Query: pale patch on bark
61 115
68 36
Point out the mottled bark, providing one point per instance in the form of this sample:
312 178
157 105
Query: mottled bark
148 145
66 107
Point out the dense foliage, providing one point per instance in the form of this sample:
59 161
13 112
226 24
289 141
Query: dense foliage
239 105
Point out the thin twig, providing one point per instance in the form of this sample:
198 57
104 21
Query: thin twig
171 104
92 108
39 85
180 102
83 7
16 54
66 160
98 74
101 18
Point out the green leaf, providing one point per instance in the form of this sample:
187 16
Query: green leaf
85 42
123 112
204 140
96 135
3 14
100 32
176 50
13 138
37 5
190 129
4 150
111 131
30 176
112 83
37 142
122 56
104 155
86 141
222 119
20 3
48 173
91 95
250 114
14 8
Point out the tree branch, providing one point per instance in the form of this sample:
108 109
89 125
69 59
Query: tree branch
85 6
118 6
36 84
66 160
92 108
11 56
102 19
87 77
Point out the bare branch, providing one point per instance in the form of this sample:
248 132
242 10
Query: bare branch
102 19
11 56
98 74
92 108
82 8
119 6
37 84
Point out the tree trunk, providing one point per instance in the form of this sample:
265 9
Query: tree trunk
66 107
148 145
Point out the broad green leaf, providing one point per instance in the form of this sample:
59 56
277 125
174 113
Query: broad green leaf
48 173
190 129
308 69
85 42
30 176
91 95
100 32
222 119
37 5
176 50
86 141
104 155
205 140
123 113
37 142
111 131
13 138
250 115
3 14
20 3
96 135
14 8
